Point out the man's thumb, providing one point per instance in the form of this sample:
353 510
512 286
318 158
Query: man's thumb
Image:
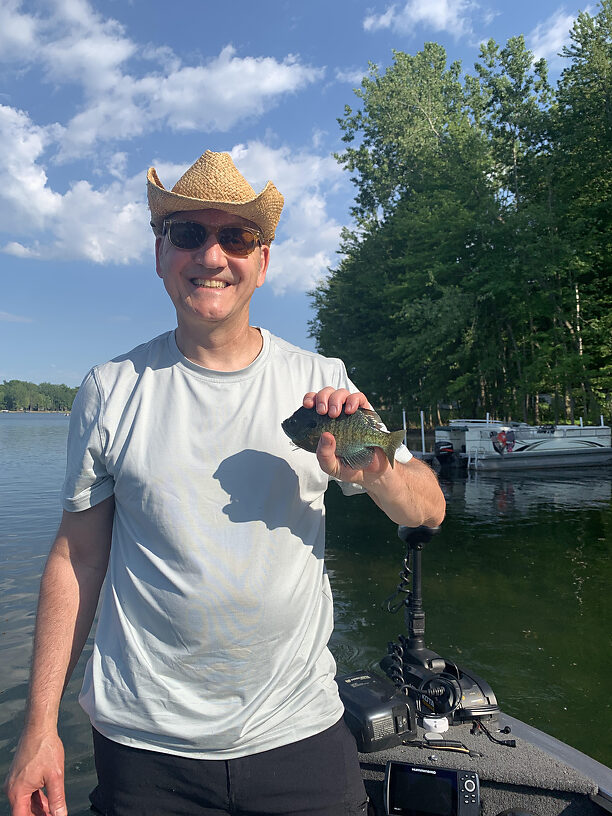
326 441
59 808
56 798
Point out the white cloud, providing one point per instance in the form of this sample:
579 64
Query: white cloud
374 22
213 97
226 90
90 54
352 76
548 38
318 138
109 223
75 45
117 165
19 250
23 182
308 181
18 32
291 171
104 225
5 317
452 16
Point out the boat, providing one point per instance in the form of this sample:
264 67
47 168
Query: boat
433 739
486 444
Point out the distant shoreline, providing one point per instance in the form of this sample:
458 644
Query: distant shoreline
23 411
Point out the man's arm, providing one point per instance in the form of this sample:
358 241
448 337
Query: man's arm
408 493
69 592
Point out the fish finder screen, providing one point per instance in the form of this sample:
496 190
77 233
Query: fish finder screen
421 794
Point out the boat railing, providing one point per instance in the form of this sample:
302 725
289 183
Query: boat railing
536 433
475 422
523 428
562 432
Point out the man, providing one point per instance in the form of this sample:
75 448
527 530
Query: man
210 688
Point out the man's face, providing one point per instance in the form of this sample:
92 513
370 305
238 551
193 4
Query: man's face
206 285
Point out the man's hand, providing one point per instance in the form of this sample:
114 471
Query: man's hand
408 493
334 402
35 782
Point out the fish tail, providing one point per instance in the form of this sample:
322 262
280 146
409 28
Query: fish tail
396 438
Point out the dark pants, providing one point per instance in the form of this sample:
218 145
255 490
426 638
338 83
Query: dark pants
318 776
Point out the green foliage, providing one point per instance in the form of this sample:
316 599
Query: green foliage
478 273
17 395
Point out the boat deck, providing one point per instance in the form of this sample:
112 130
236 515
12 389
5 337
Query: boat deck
541 775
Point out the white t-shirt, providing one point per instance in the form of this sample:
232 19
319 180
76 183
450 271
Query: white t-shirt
216 610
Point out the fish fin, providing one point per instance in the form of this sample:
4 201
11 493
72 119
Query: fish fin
358 460
396 438
374 419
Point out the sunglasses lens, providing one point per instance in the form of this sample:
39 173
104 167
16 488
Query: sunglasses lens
186 234
190 235
237 241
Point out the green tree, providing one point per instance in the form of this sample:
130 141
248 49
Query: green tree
478 269
403 123
427 213
515 117
582 163
19 395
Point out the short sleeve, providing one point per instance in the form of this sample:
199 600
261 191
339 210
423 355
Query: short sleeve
87 481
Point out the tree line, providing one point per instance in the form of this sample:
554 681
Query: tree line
477 276
19 395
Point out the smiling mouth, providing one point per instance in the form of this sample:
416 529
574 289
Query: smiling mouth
206 283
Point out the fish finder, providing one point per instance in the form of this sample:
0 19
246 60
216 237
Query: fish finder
422 790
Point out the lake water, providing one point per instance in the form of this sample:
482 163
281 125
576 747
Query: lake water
516 587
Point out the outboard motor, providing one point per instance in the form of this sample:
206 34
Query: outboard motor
444 452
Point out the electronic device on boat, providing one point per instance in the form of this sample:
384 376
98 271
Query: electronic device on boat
420 790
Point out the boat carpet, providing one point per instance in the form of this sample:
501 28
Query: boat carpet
526 777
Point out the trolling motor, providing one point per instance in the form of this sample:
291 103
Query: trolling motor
421 686
443 693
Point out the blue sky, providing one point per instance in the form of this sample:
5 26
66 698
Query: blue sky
93 93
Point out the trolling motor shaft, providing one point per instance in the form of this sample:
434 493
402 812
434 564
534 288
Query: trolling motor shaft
414 647
438 684
414 614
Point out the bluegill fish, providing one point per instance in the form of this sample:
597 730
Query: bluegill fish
356 434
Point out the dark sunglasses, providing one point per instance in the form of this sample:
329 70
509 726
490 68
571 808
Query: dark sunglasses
190 235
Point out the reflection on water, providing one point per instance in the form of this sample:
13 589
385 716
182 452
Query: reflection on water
515 587
486 495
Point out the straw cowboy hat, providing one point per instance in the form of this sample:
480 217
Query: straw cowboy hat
214 183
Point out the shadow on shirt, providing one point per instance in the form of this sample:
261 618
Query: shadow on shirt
263 487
